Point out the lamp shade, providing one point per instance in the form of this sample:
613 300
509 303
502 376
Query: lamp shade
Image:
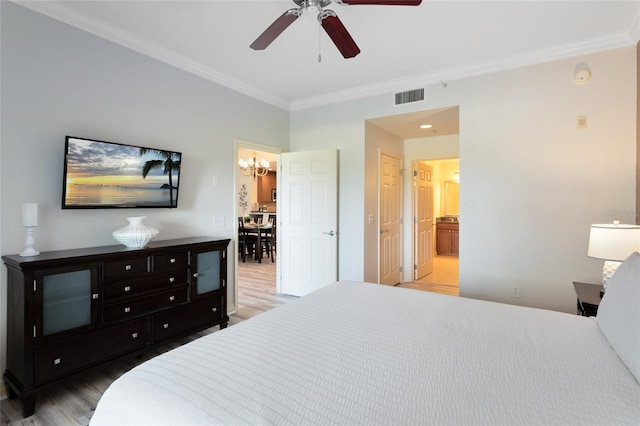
613 241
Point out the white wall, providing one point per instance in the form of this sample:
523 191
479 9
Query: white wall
57 81
532 182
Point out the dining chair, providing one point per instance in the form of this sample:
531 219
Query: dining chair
267 243
246 242
258 219
272 220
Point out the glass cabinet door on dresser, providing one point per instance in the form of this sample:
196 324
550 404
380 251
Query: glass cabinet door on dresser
206 272
66 300
208 283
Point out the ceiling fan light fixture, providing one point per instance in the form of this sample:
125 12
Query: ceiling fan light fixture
328 20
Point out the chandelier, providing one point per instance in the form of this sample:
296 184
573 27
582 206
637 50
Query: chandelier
251 167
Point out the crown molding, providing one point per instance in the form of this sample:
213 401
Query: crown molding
60 12
467 70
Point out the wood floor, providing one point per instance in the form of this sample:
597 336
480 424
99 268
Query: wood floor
444 278
73 403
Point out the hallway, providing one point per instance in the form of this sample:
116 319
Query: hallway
444 278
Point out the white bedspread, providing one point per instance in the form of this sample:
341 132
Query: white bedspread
356 353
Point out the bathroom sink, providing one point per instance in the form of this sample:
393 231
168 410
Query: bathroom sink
447 219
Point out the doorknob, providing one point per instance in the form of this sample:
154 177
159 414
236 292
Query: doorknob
382 231
330 233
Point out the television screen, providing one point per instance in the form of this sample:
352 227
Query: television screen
100 174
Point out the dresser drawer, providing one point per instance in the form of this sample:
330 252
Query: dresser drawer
201 314
165 262
130 267
134 307
58 359
164 280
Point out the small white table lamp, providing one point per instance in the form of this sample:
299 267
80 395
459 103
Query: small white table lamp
30 222
613 242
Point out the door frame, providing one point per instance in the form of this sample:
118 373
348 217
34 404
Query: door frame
244 144
409 225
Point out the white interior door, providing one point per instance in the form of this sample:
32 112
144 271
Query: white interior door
308 215
390 226
423 222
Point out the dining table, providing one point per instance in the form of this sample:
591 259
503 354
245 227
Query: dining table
259 229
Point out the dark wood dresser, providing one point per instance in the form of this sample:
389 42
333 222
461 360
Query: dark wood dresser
72 310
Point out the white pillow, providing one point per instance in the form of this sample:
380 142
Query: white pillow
619 313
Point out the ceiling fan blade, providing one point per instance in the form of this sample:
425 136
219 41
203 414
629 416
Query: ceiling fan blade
383 2
275 29
338 33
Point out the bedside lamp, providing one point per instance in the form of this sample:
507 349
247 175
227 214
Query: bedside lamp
613 243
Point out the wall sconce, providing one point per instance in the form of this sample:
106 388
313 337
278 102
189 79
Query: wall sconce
581 74
613 243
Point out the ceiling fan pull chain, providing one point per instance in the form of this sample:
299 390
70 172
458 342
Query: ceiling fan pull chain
319 38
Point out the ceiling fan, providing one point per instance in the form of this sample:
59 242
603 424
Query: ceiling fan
328 20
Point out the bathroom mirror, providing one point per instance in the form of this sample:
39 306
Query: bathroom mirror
451 196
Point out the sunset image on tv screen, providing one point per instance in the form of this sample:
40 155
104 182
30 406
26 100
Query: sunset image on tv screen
105 174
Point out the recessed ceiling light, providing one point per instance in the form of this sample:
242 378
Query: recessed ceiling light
426 126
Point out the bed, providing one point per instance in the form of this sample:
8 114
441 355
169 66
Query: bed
358 353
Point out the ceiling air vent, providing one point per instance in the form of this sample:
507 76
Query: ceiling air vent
410 96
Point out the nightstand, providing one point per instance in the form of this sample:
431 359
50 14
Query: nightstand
589 296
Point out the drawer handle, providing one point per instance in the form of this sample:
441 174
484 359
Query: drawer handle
134 335
171 279
215 309
127 267
195 275
172 298
165 325
127 309
172 260
127 288
94 296
57 361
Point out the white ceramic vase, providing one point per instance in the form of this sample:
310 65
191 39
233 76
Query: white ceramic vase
136 234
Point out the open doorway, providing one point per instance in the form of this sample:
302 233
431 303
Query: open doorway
436 228
426 135
256 199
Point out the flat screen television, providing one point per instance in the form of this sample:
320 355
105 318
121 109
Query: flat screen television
101 175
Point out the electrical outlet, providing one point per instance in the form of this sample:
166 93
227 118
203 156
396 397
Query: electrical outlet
515 291
218 221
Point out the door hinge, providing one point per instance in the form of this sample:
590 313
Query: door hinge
400 268
415 267
415 219
401 221
415 173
